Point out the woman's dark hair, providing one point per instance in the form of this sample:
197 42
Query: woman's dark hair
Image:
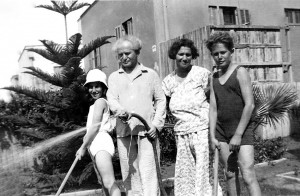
220 37
175 47
102 86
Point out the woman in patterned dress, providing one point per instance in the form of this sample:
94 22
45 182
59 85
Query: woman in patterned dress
185 88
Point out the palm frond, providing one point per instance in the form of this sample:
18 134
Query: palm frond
52 47
61 6
73 45
65 7
56 79
72 70
77 6
40 95
53 52
86 49
48 7
272 102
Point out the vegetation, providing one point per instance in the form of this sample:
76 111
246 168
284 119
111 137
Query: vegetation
37 115
268 149
64 8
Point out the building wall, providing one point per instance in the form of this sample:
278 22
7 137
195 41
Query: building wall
180 17
28 59
102 18
295 54
158 21
185 16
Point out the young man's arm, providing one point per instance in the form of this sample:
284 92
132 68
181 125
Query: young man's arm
246 89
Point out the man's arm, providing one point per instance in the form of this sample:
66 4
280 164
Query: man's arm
113 98
160 103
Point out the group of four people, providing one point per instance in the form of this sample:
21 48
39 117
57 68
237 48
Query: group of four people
222 121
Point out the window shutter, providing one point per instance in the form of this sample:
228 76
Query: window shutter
221 16
244 17
129 27
213 15
247 16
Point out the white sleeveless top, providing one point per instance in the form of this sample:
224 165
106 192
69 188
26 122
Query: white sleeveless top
105 123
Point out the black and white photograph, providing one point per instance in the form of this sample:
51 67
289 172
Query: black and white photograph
150 98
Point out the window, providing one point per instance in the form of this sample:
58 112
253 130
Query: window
244 17
95 59
126 28
292 16
228 16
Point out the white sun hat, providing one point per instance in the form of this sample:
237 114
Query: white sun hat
96 75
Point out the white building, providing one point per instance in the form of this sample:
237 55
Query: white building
29 59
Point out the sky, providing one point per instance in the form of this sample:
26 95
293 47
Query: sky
22 24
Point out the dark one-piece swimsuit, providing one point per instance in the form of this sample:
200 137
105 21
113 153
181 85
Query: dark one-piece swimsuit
230 106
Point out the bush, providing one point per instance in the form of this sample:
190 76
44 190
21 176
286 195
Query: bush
268 149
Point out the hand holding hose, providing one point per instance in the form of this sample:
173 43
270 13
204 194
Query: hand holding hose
152 133
125 116
153 142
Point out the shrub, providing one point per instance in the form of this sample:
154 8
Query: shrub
268 149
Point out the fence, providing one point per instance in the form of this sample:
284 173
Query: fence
263 50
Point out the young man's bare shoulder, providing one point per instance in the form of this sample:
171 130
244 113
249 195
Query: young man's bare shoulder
242 71
242 74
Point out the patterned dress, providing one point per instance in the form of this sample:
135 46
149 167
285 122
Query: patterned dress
188 104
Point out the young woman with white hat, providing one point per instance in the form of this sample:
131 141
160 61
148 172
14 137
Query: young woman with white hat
97 139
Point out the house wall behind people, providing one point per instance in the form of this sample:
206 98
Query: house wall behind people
156 21
106 18
180 17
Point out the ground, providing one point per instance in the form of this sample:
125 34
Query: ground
270 183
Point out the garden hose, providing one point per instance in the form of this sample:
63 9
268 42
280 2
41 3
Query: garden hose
154 143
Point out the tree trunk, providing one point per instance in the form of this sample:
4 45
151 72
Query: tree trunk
66 28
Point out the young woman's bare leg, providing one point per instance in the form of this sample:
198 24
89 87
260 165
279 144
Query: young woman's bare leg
105 168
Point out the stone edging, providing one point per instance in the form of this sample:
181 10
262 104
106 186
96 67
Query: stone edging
285 175
168 182
263 164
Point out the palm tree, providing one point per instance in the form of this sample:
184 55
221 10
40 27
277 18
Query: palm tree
272 103
51 113
68 57
64 8
70 98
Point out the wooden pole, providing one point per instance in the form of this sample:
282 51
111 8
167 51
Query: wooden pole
66 177
216 167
